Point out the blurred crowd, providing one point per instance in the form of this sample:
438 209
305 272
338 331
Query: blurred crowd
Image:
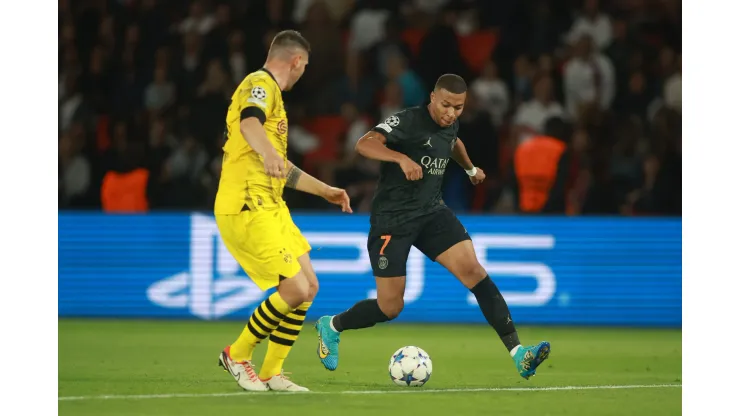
144 86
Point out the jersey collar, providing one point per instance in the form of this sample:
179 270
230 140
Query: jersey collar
269 73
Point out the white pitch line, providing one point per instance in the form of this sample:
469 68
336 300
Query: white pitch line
404 391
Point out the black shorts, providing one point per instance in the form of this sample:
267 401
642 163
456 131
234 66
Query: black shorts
432 234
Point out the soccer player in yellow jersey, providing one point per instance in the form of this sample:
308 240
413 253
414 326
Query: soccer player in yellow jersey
254 221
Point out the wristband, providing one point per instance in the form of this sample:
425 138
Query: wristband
472 172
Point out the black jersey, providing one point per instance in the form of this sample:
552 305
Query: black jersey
414 133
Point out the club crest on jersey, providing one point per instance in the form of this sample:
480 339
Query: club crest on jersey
382 262
282 127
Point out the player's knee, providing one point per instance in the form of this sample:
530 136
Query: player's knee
313 289
471 272
391 306
295 290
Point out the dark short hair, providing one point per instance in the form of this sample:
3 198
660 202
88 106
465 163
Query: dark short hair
290 39
452 83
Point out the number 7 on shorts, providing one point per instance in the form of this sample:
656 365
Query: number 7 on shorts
386 239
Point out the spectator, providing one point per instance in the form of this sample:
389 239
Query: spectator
412 88
73 106
491 92
481 142
160 94
544 29
191 64
620 53
326 48
211 102
129 87
391 45
592 22
353 86
439 52
237 58
637 97
531 116
523 74
187 161
672 89
300 140
355 172
654 194
74 173
126 185
546 65
337 8
198 20
367 27
541 168
589 78
392 100
357 126
183 175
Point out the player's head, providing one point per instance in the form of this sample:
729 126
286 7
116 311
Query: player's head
448 99
292 50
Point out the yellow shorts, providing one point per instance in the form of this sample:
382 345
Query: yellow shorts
266 243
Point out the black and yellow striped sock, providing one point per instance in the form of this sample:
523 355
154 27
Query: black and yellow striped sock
282 340
263 322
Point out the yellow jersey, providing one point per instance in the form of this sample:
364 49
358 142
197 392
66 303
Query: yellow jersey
243 177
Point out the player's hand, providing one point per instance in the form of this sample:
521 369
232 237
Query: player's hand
275 165
411 169
478 177
337 196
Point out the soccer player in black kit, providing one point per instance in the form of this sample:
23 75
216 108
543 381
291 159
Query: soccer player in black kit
414 146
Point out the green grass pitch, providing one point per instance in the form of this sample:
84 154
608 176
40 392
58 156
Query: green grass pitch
172 367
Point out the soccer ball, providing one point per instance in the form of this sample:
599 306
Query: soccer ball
410 367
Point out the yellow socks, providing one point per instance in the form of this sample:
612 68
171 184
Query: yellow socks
264 320
281 341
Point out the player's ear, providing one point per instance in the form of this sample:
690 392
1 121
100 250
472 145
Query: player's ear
431 96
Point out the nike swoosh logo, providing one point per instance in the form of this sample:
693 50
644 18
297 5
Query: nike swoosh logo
323 351
228 366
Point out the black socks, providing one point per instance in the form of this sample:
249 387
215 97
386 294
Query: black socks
363 314
494 308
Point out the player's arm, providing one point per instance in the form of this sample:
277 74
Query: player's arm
254 133
373 146
460 155
256 102
302 181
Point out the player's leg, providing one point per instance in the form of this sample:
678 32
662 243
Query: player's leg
296 292
292 291
265 260
282 339
363 314
366 313
447 242
388 256
286 334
